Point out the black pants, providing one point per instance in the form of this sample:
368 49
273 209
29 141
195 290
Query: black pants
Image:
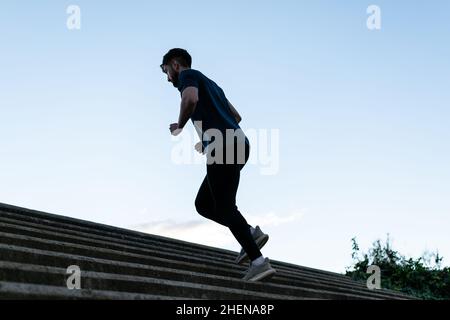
216 200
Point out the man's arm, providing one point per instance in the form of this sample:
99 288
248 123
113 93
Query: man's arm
236 114
189 99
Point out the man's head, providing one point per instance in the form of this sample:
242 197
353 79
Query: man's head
175 61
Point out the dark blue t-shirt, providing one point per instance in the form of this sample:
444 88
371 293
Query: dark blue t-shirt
212 107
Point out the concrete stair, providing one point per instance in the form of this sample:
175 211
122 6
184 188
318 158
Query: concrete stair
36 248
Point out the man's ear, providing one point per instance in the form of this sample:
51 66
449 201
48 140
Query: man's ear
175 65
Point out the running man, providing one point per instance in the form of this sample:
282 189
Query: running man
213 116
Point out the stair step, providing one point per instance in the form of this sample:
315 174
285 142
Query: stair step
137 284
14 291
37 247
116 233
175 271
132 246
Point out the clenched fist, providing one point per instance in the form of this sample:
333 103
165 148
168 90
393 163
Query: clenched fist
174 129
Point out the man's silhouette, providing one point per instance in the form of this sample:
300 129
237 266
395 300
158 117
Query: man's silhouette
213 116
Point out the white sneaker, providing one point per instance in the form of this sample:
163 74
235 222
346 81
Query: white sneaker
260 272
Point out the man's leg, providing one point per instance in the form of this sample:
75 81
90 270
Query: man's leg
224 181
205 204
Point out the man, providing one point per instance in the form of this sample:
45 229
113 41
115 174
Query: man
213 116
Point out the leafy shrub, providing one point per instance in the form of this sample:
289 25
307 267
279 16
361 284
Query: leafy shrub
424 278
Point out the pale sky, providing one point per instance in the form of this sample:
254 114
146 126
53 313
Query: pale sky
362 115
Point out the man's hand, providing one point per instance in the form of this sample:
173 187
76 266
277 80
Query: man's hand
174 129
199 147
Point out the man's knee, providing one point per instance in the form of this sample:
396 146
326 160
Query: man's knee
230 215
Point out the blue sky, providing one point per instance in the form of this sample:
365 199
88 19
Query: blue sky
363 118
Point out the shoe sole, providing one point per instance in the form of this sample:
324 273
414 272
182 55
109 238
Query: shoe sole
264 275
260 242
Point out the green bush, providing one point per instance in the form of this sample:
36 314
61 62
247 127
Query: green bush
423 278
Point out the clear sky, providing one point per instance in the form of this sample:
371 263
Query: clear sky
363 118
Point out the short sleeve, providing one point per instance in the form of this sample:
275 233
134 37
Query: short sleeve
187 79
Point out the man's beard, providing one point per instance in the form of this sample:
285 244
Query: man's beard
175 80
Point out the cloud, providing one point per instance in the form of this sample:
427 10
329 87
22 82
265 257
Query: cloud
210 233
204 232
272 219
